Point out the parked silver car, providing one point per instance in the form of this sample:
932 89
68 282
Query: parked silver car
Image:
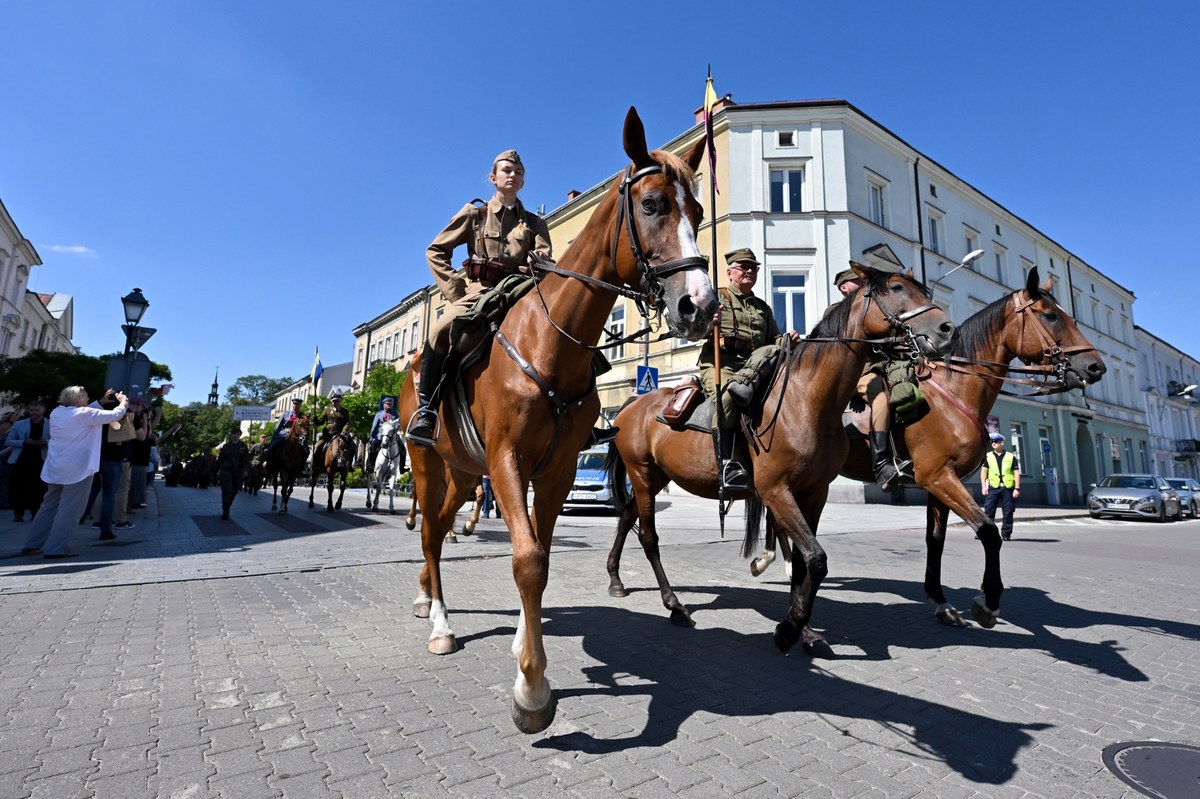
1137 496
1189 494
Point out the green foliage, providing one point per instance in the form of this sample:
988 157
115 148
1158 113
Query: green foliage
382 379
204 427
256 389
45 374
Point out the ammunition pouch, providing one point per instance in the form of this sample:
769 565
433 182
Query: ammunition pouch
486 270
469 329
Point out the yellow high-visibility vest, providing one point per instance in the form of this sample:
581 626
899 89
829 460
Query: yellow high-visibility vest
1004 470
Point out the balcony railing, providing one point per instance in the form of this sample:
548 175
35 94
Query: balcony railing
1187 445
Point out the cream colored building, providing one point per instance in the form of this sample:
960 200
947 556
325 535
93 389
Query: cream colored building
28 320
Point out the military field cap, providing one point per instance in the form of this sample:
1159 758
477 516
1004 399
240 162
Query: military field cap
742 255
996 437
845 275
297 399
507 155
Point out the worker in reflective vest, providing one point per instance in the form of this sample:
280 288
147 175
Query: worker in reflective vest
1000 480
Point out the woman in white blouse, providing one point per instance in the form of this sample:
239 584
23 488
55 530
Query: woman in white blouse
72 458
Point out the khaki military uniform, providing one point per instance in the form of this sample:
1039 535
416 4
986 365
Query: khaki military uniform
508 236
749 337
335 420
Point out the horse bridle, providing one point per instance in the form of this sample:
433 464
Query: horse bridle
898 322
1053 366
650 291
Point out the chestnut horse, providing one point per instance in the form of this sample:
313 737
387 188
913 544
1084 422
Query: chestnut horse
532 395
337 461
289 463
947 444
796 448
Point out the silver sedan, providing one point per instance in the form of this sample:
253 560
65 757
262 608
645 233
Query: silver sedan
1138 496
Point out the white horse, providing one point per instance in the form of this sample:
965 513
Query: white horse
389 464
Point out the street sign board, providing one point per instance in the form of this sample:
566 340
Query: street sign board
129 373
647 379
252 413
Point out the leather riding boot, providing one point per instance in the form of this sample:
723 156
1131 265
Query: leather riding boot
422 430
372 451
733 475
888 473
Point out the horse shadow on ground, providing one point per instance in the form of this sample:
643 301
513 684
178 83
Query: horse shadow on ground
690 671
874 627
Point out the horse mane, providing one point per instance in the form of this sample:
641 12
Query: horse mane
674 167
833 325
978 328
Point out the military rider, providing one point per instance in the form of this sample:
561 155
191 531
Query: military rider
871 387
284 424
749 341
384 414
501 238
334 420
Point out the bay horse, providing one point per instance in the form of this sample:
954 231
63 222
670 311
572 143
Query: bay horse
795 450
948 443
389 465
288 464
337 461
532 393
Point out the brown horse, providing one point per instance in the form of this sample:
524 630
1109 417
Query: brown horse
288 464
796 448
949 442
336 460
532 395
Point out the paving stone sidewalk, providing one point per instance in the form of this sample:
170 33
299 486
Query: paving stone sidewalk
267 663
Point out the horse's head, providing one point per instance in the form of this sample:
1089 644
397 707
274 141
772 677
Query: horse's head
893 304
658 215
1041 332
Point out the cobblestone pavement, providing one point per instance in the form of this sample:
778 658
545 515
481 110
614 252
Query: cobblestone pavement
198 659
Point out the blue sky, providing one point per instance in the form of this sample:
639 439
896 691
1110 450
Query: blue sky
270 173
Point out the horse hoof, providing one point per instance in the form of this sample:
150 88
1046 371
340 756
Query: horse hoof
421 608
617 591
785 637
443 645
468 530
310 503
681 618
451 539
409 525
984 616
532 721
950 616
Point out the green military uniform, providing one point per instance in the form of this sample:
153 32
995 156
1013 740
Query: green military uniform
232 465
256 454
749 338
335 421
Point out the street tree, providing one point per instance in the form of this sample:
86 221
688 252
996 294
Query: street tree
204 427
256 389
42 373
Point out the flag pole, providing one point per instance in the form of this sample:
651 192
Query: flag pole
710 100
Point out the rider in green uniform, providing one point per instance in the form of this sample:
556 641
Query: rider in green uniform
334 420
750 340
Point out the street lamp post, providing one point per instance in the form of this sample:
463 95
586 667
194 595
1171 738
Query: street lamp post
130 372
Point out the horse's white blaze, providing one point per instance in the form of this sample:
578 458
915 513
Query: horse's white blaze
699 287
440 619
531 697
518 644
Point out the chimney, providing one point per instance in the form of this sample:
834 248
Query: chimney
721 103
572 194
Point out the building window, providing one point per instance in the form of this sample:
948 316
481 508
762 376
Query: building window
1001 263
1044 446
1018 441
387 348
412 340
1129 452
1145 458
786 138
372 359
787 186
403 342
616 325
358 360
935 231
1101 461
877 197
971 240
787 300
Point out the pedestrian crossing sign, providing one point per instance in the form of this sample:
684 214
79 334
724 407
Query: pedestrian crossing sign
647 379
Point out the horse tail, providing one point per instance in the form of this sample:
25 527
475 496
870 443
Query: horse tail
622 498
754 516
